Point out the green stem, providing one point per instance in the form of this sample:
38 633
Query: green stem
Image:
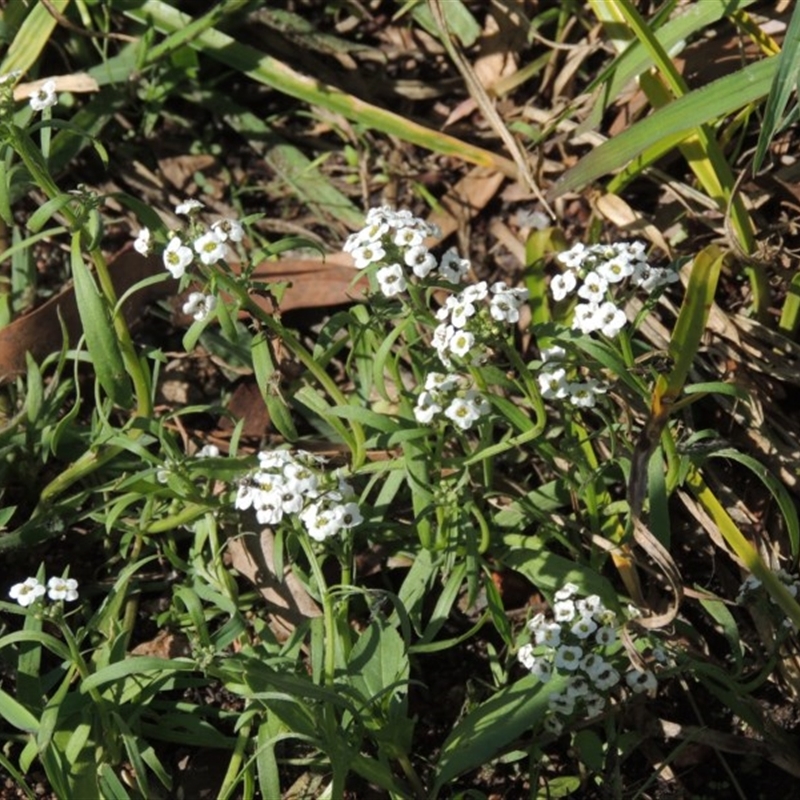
235 764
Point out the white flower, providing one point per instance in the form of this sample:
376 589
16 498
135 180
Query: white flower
391 280
564 610
605 636
368 254
439 382
26 592
584 627
199 305
584 318
62 589
553 724
188 207
460 343
548 633
582 395
43 97
460 314
593 288
555 353
641 681
542 668
611 320
421 260
606 678
563 285
408 237
568 657
177 257
573 257
553 384
210 248
591 605
479 402
578 686
462 412
268 507
322 521
350 515
228 229
566 591
561 703
526 657
142 243
207 451
594 703
615 270
452 267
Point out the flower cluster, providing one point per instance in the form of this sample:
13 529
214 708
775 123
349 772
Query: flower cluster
396 241
470 320
287 483
591 272
450 396
208 245
27 592
578 643
555 384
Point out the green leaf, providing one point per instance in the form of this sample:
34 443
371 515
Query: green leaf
549 572
680 117
378 660
484 732
784 84
16 714
101 338
776 488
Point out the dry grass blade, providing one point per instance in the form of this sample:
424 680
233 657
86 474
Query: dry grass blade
486 106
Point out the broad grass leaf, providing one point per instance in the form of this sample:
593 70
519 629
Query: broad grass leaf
776 488
634 60
101 339
720 613
784 84
31 38
378 667
716 99
16 714
460 21
265 373
693 315
266 762
484 732
549 572
140 665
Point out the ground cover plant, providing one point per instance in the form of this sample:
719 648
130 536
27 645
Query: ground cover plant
397 399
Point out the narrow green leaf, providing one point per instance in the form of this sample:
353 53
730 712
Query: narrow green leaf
101 338
710 102
484 732
16 714
691 323
784 84
32 37
776 488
